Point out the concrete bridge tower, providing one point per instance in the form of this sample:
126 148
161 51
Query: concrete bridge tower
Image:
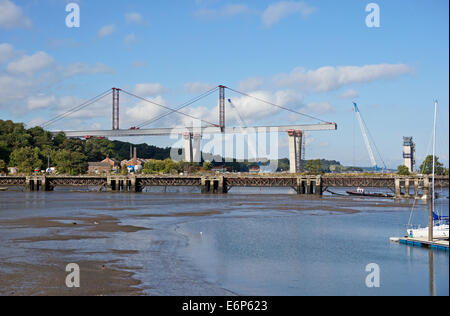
409 153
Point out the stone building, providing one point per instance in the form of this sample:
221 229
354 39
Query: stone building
99 167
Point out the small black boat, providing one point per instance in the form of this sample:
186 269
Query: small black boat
362 192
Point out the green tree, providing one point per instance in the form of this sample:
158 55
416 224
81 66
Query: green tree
98 149
67 162
3 168
314 166
59 139
19 137
170 166
26 159
4 151
207 165
427 166
403 171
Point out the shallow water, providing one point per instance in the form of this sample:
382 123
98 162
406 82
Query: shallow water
248 242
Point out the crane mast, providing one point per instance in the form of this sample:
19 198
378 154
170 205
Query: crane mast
366 138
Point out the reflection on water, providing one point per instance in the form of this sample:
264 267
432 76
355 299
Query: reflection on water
317 252
247 242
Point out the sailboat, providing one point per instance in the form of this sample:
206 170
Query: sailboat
440 223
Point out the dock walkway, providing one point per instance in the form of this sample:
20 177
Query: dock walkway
436 244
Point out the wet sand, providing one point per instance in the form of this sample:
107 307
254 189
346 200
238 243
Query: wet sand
97 277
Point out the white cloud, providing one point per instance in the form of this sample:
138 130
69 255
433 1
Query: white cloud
106 30
317 108
11 16
331 78
130 38
40 102
95 110
144 111
134 17
198 87
13 88
139 64
30 64
26 80
349 94
148 89
225 11
249 84
252 110
6 53
277 11
86 69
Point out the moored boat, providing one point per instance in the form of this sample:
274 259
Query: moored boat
363 192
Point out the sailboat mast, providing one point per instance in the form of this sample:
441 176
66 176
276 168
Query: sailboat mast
430 215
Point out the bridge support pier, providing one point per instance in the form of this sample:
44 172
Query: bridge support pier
310 185
407 189
295 151
398 189
426 190
403 188
214 186
196 148
124 184
192 148
37 183
188 154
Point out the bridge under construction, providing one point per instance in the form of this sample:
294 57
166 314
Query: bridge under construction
193 135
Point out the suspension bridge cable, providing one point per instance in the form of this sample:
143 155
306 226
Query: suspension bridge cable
168 108
76 109
182 106
278 106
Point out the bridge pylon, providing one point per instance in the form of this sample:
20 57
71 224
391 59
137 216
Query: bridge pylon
115 109
295 150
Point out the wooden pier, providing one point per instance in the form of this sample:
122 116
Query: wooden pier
436 244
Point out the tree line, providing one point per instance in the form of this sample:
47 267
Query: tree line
35 148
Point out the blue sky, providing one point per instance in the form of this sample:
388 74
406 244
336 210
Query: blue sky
313 56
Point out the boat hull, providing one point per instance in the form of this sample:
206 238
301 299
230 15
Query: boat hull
438 232
383 195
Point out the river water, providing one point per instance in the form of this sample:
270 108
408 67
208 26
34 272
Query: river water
248 242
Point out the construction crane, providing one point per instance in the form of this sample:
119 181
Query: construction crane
239 117
366 138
